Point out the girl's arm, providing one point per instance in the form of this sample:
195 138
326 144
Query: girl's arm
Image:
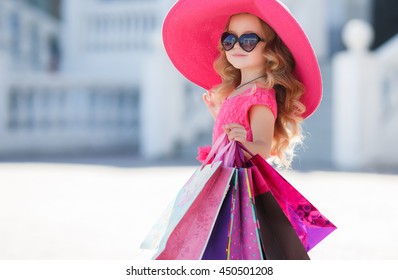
208 99
262 125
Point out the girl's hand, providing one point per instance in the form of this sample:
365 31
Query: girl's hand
208 99
236 132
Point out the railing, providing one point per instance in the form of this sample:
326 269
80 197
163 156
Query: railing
109 38
120 27
59 114
365 98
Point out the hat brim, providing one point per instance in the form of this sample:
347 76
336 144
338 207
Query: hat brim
192 30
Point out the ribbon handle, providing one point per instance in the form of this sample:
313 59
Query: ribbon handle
231 153
221 142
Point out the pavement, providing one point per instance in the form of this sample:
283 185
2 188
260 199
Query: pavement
102 210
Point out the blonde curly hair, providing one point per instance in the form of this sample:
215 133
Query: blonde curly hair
280 76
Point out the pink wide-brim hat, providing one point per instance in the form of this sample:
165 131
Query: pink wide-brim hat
192 31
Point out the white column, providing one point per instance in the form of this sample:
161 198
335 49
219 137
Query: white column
356 99
73 13
25 43
3 94
388 56
162 101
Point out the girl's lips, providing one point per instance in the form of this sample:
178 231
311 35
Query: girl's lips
238 55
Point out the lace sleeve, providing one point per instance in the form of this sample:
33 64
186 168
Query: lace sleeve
264 97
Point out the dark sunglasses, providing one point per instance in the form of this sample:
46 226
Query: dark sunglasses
246 41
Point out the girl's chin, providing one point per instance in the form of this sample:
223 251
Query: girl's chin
238 65
241 65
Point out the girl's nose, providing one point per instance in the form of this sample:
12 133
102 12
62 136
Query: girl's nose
237 46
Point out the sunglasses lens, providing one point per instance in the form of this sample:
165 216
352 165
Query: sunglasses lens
248 42
228 41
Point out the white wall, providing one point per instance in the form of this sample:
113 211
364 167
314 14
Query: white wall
312 16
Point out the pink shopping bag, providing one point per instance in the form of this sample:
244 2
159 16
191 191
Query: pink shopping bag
190 230
310 225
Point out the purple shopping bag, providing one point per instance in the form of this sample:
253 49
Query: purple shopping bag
244 239
216 248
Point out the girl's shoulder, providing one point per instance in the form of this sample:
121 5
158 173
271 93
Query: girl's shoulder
257 90
263 96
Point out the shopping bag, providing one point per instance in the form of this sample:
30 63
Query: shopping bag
289 225
155 240
280 240
235 235
309 224
179 206
220 213
261 229
216 247
244 238
193 215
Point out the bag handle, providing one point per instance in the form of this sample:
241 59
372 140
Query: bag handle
229 152
232 154
221 142
226 154
242 147
239 155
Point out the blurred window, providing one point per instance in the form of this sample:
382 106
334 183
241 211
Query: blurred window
51 7
15 28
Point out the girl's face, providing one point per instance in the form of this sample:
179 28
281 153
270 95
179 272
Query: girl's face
240 59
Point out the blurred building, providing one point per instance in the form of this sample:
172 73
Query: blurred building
92 76
75 77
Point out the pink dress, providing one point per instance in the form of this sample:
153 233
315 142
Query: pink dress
236 110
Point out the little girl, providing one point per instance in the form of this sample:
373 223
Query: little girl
262 80
259 84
